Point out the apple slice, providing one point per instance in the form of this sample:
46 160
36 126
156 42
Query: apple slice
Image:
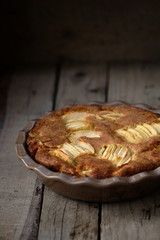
69 151
150 128
156 126
110 115
117 153
105 153
78 125
127 157
61 154
83 144
140 133
144 129
127 135
144 135
123 150
86 146
72 150
101 152
118 147
109 150
75 116
86 133
110 156
135 133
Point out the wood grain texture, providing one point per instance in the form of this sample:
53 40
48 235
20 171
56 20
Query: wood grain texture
137 219
63 218
135 83
81 84
31 226
30 94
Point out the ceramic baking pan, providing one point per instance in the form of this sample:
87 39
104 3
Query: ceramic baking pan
90 189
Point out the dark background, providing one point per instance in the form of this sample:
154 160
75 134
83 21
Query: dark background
87 30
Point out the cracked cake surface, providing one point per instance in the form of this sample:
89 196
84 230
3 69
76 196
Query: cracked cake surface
97 141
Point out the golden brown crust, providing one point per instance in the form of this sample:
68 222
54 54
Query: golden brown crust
99 168
99 142
54 163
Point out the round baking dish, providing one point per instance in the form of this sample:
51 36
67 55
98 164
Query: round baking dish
90 189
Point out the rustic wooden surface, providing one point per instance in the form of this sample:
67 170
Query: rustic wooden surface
30 211
28 96
137 219
71 219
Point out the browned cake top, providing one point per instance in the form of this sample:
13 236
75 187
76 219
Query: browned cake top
97 141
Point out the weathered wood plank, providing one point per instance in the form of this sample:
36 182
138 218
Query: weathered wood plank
135 83
137 219
30 94
30 228
81 84
63 218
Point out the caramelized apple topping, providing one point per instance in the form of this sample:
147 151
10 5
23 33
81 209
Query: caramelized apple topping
139 133
75 116
109 115
70 151
86 133
78 125
96 141
77 121
117 153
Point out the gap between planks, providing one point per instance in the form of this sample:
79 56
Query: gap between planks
31 226
28 96
134 219
62 217
125 78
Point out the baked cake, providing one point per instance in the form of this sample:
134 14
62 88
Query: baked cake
97 141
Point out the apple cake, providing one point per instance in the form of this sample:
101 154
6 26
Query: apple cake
97 141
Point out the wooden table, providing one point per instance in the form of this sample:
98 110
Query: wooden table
29 210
